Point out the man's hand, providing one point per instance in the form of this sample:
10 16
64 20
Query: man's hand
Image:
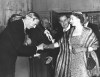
45 46
40 47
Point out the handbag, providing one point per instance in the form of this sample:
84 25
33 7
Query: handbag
90 62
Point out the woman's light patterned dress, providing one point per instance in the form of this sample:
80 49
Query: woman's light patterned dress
77 62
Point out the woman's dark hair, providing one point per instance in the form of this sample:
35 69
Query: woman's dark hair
79 15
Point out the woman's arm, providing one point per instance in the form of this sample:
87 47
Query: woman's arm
51 46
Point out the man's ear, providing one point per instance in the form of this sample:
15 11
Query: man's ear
28 17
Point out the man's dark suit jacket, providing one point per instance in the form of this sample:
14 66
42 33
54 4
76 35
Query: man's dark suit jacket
95 29
11 45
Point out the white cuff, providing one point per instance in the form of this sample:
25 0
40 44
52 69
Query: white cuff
56 44
90 49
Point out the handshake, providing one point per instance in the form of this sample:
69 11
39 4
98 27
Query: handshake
50 46
28 41
41 46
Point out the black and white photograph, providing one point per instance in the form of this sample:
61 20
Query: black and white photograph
49 38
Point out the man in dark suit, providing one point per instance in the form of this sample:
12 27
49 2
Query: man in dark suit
12 43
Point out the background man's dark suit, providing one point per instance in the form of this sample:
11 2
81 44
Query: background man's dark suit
11 45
